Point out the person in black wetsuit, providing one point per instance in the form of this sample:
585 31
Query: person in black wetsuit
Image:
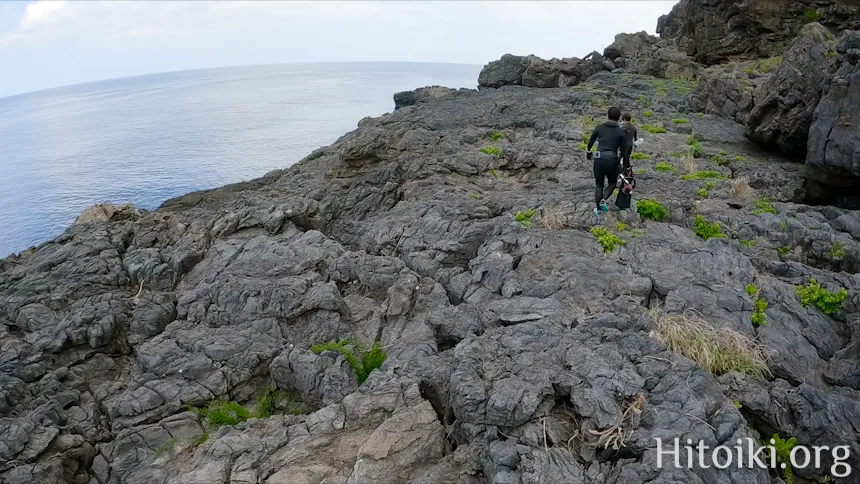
611 147
632 135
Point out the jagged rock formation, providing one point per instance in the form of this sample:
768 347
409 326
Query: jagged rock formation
518 350
717 31
507 345
784 104
833 158
422 94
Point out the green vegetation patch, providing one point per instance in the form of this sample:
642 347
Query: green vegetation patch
837 251
496 136
525 217
362 360
698 175
490 150
664 166
758 317
640 156
681 121
707 230
653 128
811 15
651 209
828 302
763 205
607 239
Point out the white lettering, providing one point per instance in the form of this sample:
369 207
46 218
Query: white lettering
839 462
716 456
660 453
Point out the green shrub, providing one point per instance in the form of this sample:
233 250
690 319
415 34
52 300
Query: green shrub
837 251
651 209
763 205
664 166
525 217
496 136
707 230
653 129
648 113
676 154
640 156
493 173
830 54
224 412
490 150
703 192
783 225
737 404
719 160
811 15
749 243
766 66
620 226
700 114
607 239
641 99
703 174
739 158
784 250
271 399
696 150
584 146
680 120
637 233
724 152
827 302
362 360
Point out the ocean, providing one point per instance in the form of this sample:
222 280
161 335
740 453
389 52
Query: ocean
149 138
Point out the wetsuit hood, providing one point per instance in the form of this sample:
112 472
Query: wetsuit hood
611 123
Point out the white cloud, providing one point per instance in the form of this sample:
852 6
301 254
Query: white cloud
75 41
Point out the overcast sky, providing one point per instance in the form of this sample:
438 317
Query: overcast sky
53 43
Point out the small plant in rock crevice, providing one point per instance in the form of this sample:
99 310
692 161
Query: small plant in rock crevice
763 205
707 230
653 129
496 136
783 251
648 113
837 251
782 448
664 166
813 293
749 243
525 217
811 15
681 121
607 239
490 150
651 209
698 175
640 156
758 318
362 360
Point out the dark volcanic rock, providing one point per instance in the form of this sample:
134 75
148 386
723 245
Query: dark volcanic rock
784 104
715 31
532 71
422 94
833 157
518 350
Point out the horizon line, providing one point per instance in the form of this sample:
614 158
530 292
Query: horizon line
63 86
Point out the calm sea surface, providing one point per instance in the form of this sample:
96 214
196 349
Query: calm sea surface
149 138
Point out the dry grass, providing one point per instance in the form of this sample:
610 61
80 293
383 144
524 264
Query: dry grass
688 163
553 220
740 187
617 435
717 350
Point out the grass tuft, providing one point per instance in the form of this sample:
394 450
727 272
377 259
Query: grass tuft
490 150
664 166
640 156
837 251
362 360
554 220
717 350
740 187
496 136
681 121
811 15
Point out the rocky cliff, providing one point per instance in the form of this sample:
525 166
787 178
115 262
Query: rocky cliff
235 335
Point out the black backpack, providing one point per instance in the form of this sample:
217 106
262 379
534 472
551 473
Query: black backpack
625 192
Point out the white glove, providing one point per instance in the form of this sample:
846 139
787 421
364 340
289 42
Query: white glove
637 142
